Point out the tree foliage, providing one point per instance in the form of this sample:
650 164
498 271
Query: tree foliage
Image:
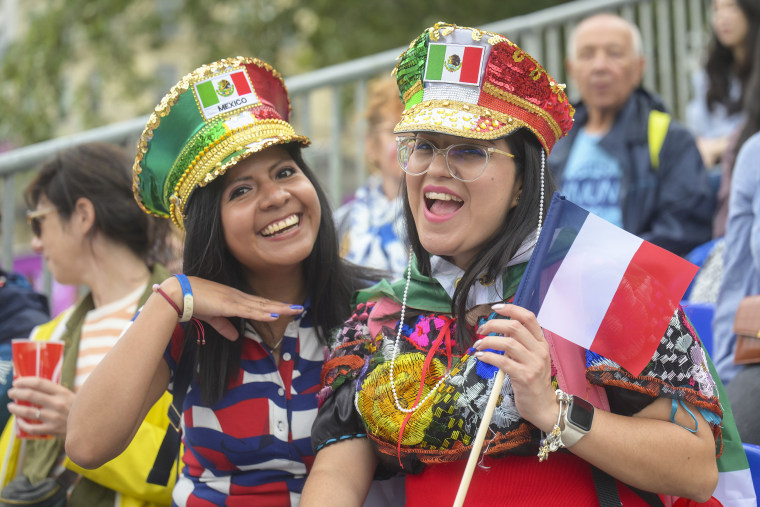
109 42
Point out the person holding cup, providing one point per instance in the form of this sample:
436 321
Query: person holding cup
35 358
91 234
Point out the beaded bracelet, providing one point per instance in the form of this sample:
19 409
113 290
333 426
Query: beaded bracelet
552 441
157 289
187 297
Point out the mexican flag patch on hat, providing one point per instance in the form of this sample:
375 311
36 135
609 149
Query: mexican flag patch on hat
454 63
225 93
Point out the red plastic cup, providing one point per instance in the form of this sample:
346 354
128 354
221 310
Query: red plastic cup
36 359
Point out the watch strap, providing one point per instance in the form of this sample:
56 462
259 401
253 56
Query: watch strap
570 433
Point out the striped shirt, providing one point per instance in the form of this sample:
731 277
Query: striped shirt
101 329
253 447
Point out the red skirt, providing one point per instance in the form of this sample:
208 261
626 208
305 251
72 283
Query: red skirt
563 479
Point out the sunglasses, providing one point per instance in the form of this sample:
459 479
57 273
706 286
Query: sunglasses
34 219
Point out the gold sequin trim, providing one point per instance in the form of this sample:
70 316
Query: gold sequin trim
411 91
442 29
524 104
413 121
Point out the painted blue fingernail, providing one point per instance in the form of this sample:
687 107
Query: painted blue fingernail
275 315
296 307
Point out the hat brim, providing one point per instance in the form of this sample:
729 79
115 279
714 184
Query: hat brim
458 119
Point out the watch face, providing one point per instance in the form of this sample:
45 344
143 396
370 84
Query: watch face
581 413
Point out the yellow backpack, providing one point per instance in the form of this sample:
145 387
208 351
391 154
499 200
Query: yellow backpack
659 122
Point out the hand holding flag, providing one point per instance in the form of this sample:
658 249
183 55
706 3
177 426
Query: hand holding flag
598 286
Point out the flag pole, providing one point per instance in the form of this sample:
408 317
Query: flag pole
477 445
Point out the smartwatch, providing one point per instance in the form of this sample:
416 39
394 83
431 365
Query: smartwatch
576 421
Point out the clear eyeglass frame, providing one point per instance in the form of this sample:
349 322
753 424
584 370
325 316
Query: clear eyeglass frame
464 155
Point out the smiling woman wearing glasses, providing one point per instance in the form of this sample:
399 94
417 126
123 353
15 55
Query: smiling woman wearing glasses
92 234
408 381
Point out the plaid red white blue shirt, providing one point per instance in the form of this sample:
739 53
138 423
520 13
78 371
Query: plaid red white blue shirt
253 446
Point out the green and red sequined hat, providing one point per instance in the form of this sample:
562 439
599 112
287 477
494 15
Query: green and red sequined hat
480 85
214 117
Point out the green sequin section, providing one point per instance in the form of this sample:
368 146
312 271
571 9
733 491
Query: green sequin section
415 99
411 67
194 147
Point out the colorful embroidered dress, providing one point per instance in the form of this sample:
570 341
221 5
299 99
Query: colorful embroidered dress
358 400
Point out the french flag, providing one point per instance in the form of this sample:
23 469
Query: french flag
600 287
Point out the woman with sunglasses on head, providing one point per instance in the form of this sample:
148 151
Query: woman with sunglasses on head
91 234
403 394
263 284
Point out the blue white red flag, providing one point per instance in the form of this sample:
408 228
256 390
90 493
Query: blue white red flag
603 288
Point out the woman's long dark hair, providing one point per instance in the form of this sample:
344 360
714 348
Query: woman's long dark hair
330 281
721 66
751 102
520 223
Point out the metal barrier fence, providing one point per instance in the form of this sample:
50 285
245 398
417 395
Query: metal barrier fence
328 102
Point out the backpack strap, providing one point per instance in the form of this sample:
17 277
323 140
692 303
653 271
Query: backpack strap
170 446
607 492
606 488
659 121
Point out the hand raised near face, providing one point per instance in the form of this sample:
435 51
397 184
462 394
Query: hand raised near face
214 302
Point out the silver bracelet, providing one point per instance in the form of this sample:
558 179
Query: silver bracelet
552 441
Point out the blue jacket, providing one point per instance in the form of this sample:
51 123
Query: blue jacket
21 308
671 206
741 258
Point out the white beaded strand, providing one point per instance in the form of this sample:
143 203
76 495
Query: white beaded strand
541 202
395 350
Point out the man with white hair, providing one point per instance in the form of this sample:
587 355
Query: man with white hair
625 159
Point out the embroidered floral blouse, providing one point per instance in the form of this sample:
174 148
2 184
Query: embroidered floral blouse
358 400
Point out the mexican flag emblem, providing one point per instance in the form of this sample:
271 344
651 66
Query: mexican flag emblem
454 63
225 93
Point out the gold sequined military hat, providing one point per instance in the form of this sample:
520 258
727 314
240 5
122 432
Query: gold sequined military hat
480 85
214 117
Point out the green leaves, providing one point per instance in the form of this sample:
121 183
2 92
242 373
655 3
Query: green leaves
79 64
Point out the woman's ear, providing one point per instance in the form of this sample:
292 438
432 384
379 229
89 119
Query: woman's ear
518 193
83 216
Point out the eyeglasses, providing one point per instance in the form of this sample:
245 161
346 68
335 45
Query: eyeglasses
465 162
34 219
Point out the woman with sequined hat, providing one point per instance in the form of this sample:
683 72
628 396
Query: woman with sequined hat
262 285
402 393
